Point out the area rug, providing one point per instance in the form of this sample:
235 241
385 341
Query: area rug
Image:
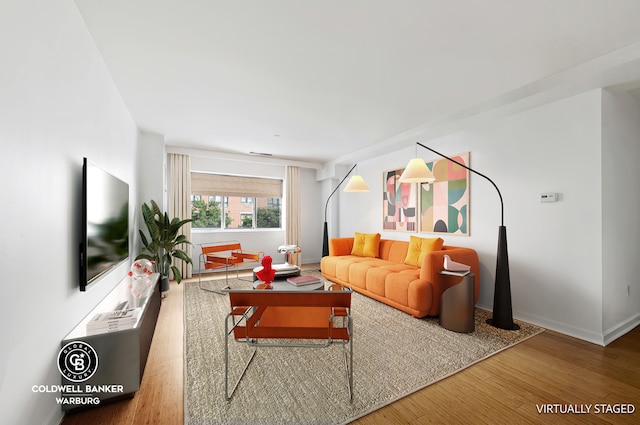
394 355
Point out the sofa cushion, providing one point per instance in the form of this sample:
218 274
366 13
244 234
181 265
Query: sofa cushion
376 277
397 287
419 248
344 263
394 251
358 270
366 244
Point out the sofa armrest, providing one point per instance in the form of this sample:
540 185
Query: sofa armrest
340 246
434 262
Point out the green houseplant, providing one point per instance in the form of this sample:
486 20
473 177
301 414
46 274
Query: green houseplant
162 244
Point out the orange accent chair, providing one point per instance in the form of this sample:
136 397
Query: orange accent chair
227 254
312 319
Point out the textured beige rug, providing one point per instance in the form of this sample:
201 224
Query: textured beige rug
394 355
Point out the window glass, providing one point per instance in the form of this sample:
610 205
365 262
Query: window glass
268 213
206 211
239 212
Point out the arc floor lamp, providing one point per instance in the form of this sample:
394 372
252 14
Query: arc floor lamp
356 184
418 172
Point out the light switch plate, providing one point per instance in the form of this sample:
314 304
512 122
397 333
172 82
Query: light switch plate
548 197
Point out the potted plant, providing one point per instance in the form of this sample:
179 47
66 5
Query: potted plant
161 246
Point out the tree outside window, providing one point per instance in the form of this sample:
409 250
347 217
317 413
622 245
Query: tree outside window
206 212
239 213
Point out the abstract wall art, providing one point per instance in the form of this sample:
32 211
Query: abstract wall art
444 204
400 203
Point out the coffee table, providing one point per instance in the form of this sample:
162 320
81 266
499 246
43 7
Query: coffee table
281 284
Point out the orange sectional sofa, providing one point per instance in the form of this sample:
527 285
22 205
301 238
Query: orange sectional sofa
387 278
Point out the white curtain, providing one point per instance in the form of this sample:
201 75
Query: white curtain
292 217
180 202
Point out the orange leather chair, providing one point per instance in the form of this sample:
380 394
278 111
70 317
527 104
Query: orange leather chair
227 254
264 318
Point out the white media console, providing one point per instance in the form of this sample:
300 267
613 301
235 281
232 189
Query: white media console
121 355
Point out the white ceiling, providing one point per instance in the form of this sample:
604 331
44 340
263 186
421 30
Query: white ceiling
316 80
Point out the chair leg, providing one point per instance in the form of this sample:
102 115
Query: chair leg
348 361
228 394
200 271
220 291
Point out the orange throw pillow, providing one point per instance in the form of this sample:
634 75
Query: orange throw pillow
366 244
419 248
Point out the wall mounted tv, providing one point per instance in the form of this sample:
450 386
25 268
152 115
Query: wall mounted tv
105 223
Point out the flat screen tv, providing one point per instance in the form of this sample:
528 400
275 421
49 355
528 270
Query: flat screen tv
105 223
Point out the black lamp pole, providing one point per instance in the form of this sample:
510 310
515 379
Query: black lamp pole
325 240
502 312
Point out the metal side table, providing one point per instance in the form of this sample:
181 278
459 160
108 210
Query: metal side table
457 309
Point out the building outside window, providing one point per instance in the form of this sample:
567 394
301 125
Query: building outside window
244 202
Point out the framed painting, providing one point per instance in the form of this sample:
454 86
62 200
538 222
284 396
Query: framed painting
444 204
399 203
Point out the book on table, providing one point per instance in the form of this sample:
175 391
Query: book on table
114 320
303 280
455 272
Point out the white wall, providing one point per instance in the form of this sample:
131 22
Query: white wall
58 104
151 179
555 249
311 212
151 169
266 240
621 203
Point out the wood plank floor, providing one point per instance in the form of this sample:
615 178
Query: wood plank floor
508 388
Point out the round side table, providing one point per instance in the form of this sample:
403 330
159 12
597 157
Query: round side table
457 309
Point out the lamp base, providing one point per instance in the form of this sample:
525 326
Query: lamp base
512 326
325 241
502 314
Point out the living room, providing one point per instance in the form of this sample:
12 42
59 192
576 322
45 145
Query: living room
574 133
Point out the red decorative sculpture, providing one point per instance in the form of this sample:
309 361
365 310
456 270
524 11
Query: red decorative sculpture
267 273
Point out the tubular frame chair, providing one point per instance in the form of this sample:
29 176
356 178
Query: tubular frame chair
227 254
309 319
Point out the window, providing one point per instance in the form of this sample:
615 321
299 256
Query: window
244 202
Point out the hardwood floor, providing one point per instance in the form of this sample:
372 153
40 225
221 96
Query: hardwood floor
508 388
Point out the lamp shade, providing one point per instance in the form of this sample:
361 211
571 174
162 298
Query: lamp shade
356 184
417 172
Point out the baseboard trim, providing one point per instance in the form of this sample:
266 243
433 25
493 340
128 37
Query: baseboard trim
621 328
563 328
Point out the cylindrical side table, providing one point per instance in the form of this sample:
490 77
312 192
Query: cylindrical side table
457 309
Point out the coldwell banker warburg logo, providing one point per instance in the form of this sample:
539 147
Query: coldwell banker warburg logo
77 361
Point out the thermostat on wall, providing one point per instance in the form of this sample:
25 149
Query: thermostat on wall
549 197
